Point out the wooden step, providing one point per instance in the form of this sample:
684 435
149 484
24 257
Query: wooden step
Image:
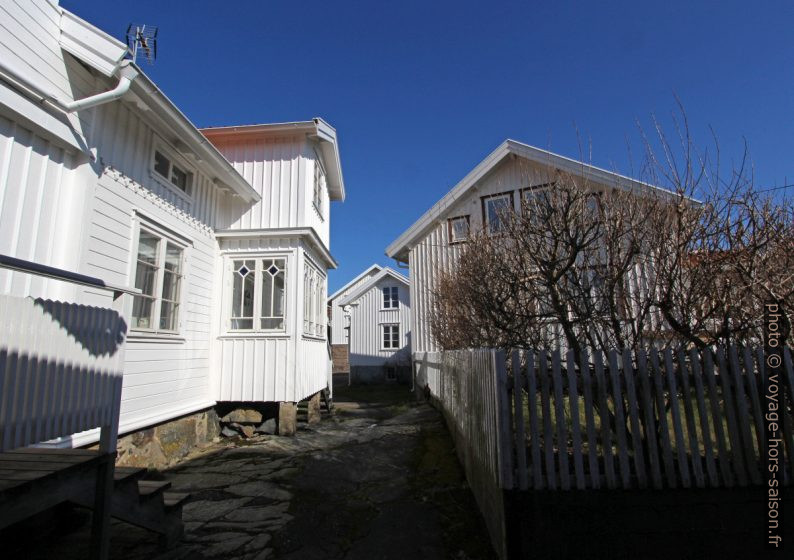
148 489
174 500
124 474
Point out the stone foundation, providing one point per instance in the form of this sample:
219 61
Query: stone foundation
165 444
340 355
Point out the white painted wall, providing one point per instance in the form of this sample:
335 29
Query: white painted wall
338 321
366 319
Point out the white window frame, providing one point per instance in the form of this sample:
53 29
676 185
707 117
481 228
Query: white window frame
166 236
394 297
485 218
229 272
318 186
451 230
383 328
159 145
315 314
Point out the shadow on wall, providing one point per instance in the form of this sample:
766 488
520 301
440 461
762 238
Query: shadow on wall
99 331
366 370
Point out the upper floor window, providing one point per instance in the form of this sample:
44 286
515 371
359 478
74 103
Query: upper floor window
391 298
319 186
495 209
458 229
314 303
158 274
167 167
258 294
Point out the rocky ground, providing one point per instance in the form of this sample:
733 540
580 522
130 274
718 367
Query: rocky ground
377 479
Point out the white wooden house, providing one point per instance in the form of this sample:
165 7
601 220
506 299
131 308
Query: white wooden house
340 326
512 172
231 258
378 314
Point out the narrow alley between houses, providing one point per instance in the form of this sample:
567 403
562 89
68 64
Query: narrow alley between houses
376 479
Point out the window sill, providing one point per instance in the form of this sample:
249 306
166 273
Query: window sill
313 337
232 335
163 182
162 338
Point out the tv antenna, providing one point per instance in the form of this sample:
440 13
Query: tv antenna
142 39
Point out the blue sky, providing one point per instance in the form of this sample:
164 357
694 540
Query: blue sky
421 91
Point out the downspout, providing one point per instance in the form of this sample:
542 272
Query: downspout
127 73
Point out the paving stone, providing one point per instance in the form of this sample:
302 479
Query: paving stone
275 511
260 488
204 510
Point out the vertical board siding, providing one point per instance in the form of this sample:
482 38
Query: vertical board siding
60 369
272 167
338 315
366 318
35 177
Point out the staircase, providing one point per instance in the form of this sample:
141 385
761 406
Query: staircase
146 504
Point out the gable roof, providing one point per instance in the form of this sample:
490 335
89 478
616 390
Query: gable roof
399 248
375 267
316 129
366 286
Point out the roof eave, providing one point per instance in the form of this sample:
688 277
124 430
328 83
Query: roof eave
153 96
364 288
354 280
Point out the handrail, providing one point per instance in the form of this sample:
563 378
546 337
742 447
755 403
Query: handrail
29 267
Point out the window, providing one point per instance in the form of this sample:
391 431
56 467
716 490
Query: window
391 337
176 174
319 186
494 210
258 294
458 229
158 274
391 297
314 304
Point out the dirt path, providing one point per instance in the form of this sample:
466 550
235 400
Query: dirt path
376 480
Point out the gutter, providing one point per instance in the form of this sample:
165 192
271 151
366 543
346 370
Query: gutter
127 73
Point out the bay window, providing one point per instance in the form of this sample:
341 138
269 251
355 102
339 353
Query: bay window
258 294
314 306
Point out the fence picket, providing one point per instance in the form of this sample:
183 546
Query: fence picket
606 432
634 420
534 428
650 420
592 443
545 401
620 419
518 402
680 444
755 392
576 434
664 430
703 414
726 465
562 432
691 427
742 416
733 429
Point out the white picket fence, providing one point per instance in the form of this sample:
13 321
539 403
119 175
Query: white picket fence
644 419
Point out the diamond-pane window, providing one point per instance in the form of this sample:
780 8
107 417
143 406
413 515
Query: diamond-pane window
243 271
273 270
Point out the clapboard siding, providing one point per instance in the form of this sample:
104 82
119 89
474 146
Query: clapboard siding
366 318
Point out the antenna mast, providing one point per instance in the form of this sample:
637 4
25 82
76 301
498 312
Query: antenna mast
142 39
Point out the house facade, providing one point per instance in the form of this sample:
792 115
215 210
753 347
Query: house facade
511 174
378 312
101 174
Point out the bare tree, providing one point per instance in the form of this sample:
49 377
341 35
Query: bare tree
606 266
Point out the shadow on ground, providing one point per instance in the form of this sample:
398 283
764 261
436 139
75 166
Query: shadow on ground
377 479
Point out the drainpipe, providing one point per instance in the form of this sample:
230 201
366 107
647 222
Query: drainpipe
127 73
